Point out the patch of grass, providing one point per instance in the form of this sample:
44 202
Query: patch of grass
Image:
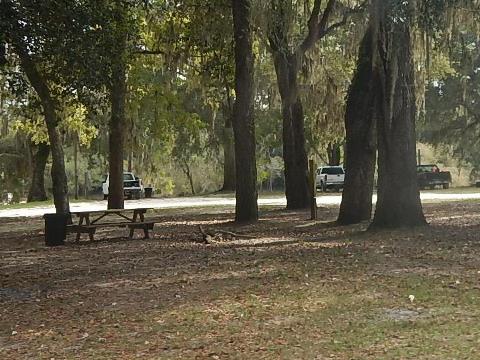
25 205
316 320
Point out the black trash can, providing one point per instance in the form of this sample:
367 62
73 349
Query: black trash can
148 192
55 229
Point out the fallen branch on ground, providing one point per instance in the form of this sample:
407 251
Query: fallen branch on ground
216 234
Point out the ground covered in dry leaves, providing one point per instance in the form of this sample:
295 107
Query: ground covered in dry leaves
296 289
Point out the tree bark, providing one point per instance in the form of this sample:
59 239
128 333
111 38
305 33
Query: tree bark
39 157
118 92
360 158
246 208
294 153
398 202
334 154
59 177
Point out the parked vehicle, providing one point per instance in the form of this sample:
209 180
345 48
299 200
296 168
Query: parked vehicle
330 177
429 176
132 186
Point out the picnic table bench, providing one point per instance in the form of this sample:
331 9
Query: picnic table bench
90 221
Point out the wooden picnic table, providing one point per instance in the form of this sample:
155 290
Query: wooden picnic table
90 221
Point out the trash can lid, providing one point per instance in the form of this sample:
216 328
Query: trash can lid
55 215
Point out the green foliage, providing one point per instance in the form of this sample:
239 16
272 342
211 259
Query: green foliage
325 95
75 121
34 128
453 117
441 67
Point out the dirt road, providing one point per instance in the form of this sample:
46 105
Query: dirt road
206 201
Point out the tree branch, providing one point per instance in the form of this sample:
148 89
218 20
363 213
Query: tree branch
344 20
277 39
318 27
313 27
313 20
322 25
11 155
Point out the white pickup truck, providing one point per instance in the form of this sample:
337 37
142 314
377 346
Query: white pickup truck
132 186
330 177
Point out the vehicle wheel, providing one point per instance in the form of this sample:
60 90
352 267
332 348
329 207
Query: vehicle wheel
105 197
446 186
137 196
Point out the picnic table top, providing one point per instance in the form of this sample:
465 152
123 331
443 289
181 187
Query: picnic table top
107 211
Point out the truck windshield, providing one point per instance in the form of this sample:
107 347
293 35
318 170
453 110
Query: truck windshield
128 177
332 171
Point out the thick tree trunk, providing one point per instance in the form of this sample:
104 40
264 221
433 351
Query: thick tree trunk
117 126
39 157
360 159
398 202
246 208
287 65
294 153
334 154
59 177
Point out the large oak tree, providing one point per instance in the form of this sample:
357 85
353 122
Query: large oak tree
361 148
29 32
246 208
288 56
398 202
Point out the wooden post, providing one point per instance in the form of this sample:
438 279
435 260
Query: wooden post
313 190
419 157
